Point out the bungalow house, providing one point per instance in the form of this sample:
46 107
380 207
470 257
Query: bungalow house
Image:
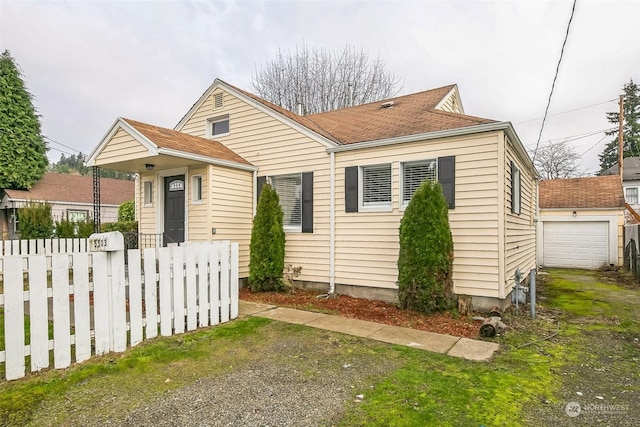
344 178
70 196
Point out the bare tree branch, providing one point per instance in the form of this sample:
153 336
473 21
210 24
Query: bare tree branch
558 160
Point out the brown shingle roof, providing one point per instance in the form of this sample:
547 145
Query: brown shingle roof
57 187
171 139
591 192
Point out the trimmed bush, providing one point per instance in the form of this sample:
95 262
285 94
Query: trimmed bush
84 228
35 221
64 228
425 261
266 259
123 227
127 211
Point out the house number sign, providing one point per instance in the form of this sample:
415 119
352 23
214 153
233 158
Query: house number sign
176 185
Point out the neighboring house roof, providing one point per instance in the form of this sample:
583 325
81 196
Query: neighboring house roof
593 192
174 140
630 169
57 187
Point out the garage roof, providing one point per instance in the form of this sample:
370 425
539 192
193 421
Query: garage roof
593 192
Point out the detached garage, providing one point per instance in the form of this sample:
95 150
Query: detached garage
581 222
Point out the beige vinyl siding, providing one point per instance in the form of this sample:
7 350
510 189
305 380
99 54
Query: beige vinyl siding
275 148
367 242
147 214
199 230
451 103
121 147
231 209
520 230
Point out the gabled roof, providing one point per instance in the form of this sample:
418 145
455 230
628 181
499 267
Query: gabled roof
630 169
575 193
405 115
57 187
174 140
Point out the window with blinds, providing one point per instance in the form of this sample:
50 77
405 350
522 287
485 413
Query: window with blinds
289 189
376 185
414 174
632 195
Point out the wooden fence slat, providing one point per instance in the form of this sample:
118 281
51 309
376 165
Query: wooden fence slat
81 306
100 303
191 287
61 312
150 293
203 285
38 312
13 318
15 247
224 281
166 292
214 277
233 278
119 307
135 296
178 288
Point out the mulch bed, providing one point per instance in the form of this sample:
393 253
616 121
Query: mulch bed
363 309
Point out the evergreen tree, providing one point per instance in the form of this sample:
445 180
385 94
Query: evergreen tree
23 151
266 251
425 260
630 128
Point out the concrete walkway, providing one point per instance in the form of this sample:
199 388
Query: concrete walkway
446 344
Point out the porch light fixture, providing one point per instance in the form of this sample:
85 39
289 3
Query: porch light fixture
149 166
574 214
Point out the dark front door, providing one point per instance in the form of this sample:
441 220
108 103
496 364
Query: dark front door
174 209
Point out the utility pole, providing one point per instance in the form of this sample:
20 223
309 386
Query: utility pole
620 137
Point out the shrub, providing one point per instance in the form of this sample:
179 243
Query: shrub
266 258
35 221
64 228
127 211
84 228
123 227
425 260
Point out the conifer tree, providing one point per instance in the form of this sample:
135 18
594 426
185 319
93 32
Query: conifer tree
425 260
266 257
23 151
630 128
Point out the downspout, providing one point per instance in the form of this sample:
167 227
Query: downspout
332 224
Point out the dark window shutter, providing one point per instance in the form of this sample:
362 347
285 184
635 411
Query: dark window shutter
447 178
351 189
307 202
260 184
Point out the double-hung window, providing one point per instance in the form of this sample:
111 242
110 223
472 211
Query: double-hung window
375 189
76 215
631 195
289 189
414 174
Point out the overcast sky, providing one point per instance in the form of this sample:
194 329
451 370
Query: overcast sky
88 62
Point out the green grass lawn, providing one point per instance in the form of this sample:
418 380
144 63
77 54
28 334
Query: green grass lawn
527 383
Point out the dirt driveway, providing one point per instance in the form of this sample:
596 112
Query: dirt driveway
598 314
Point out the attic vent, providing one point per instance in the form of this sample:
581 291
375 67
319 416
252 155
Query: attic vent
387 104
217 100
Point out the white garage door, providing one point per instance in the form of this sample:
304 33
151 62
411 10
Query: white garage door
576 244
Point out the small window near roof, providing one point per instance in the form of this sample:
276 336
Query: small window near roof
196 186
218 126
631 195
148 193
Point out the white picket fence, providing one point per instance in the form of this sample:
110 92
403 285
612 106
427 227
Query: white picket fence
97 304
42 246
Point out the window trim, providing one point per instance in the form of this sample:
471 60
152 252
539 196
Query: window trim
363 206
218 119
147 201
401 182
626 198
196 199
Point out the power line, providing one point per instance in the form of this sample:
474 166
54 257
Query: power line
62 151
593 146
553 84
565 112
579 136
60 143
